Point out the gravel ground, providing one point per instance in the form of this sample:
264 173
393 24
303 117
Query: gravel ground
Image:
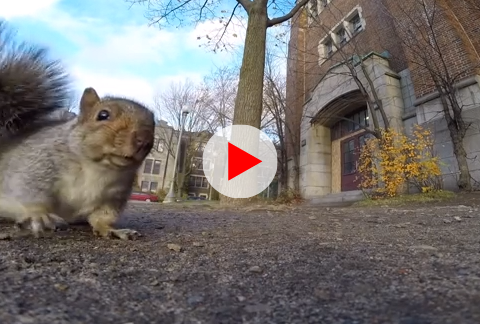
415 264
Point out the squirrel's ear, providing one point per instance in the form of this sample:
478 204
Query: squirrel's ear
89 99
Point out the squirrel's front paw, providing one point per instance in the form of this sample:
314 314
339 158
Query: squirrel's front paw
123 233
38 223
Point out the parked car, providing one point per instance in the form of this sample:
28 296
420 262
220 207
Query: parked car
196 198
144 196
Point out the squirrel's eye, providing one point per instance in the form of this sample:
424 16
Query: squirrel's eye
103 115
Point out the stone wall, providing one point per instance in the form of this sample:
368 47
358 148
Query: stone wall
316 146
429 114
316 163
315 80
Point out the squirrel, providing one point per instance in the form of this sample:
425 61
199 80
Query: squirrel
56 167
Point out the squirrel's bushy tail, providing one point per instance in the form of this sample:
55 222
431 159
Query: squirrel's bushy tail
31 84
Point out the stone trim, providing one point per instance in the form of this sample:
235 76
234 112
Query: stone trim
393 75
434 95
409 115
385 55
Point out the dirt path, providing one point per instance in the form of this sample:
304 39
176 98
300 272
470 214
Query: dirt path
300 265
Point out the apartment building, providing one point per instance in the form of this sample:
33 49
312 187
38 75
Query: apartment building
198 185
323 95
157 170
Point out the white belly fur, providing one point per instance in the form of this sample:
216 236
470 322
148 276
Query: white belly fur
85 189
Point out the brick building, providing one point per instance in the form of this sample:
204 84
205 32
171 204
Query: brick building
156 171
197 184
323 94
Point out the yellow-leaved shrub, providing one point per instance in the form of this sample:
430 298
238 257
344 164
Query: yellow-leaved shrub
389 163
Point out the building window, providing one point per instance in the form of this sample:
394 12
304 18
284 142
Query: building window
359 120
342 37
152 166
356 23
349 157
350 124
153 186
144 186
200 147
329 47
198 164
156 167
161 146
362 140
148 166
198 182
312 10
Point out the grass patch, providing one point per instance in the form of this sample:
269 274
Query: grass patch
418 198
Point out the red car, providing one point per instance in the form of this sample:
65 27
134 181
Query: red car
144 196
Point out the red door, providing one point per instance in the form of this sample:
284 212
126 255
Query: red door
350 149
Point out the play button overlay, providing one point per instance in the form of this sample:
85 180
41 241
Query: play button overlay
240 161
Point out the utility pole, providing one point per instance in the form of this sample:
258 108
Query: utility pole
171 196
168 156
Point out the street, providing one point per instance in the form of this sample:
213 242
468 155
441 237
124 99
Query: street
199 263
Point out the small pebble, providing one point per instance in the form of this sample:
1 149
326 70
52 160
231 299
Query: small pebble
174 247
255 269
195 299
198 244
61 287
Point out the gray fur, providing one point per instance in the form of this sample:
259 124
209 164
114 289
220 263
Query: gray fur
55 166
32 85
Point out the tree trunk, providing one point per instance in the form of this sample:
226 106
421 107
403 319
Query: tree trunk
296 174
457 129
464 182
249 99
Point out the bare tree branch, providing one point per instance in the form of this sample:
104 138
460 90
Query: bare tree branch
228 23
246 4
279 20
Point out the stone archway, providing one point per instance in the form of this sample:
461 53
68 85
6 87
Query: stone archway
345 116
335 97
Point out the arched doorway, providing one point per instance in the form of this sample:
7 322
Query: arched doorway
347 117
351 137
